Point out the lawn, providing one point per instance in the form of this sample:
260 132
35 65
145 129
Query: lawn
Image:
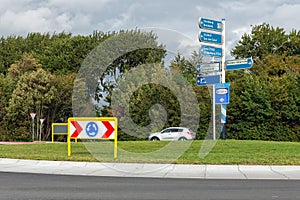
180 152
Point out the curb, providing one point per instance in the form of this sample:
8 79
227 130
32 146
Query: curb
150 170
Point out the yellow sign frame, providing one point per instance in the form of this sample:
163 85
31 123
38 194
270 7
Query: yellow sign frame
114 119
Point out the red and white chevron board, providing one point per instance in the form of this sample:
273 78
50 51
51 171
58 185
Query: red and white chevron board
92 128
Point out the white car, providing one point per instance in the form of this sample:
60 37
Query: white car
173 133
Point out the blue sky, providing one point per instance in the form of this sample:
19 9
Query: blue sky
84 16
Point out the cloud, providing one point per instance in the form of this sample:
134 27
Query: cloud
125 18
29 20
82 17
285 16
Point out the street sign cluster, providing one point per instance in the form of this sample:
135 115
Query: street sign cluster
210 72
212 40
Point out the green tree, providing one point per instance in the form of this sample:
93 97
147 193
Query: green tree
7 85
113 58
264 40
27 63
250 110
33 92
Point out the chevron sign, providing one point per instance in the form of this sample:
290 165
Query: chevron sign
92 128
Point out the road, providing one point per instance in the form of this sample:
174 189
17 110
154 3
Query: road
41 186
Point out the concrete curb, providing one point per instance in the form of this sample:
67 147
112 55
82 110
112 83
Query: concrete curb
150 170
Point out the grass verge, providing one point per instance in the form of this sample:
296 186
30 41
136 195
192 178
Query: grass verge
224 152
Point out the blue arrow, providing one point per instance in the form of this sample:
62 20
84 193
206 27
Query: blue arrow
198 68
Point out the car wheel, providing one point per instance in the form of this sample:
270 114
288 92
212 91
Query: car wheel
155 139
182 138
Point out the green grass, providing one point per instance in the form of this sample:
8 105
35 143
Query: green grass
224 152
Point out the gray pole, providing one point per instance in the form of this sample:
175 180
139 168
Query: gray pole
223 107
214 113
32 129
41 132
37 128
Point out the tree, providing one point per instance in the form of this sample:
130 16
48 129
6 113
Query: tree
250 110
57 53
264 40
114 57
33 92
7 85
27 63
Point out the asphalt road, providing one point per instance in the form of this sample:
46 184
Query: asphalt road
41 186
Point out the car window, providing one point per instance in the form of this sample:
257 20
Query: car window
166 131
180 130
174 130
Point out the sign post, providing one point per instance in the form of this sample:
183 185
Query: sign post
32 117
214 46
42 121
223 106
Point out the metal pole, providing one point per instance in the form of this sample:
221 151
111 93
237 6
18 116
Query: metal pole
41 131
223 51
37 128
32 129
223 107
214 113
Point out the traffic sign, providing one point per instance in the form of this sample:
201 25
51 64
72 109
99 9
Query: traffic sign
210 37
210 51
239 64
208 80
222 93
210 24
42 120
91 128
32 115
208 67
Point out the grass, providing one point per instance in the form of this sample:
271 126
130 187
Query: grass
180 152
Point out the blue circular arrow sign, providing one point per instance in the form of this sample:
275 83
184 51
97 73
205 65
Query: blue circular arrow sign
91 129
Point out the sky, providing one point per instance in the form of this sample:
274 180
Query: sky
177 17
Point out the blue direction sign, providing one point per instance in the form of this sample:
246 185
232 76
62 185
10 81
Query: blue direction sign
210 51
210 37
239 64
208 67
208 80
222 93
210 24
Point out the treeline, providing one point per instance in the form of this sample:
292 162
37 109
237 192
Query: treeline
266 99
37 74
